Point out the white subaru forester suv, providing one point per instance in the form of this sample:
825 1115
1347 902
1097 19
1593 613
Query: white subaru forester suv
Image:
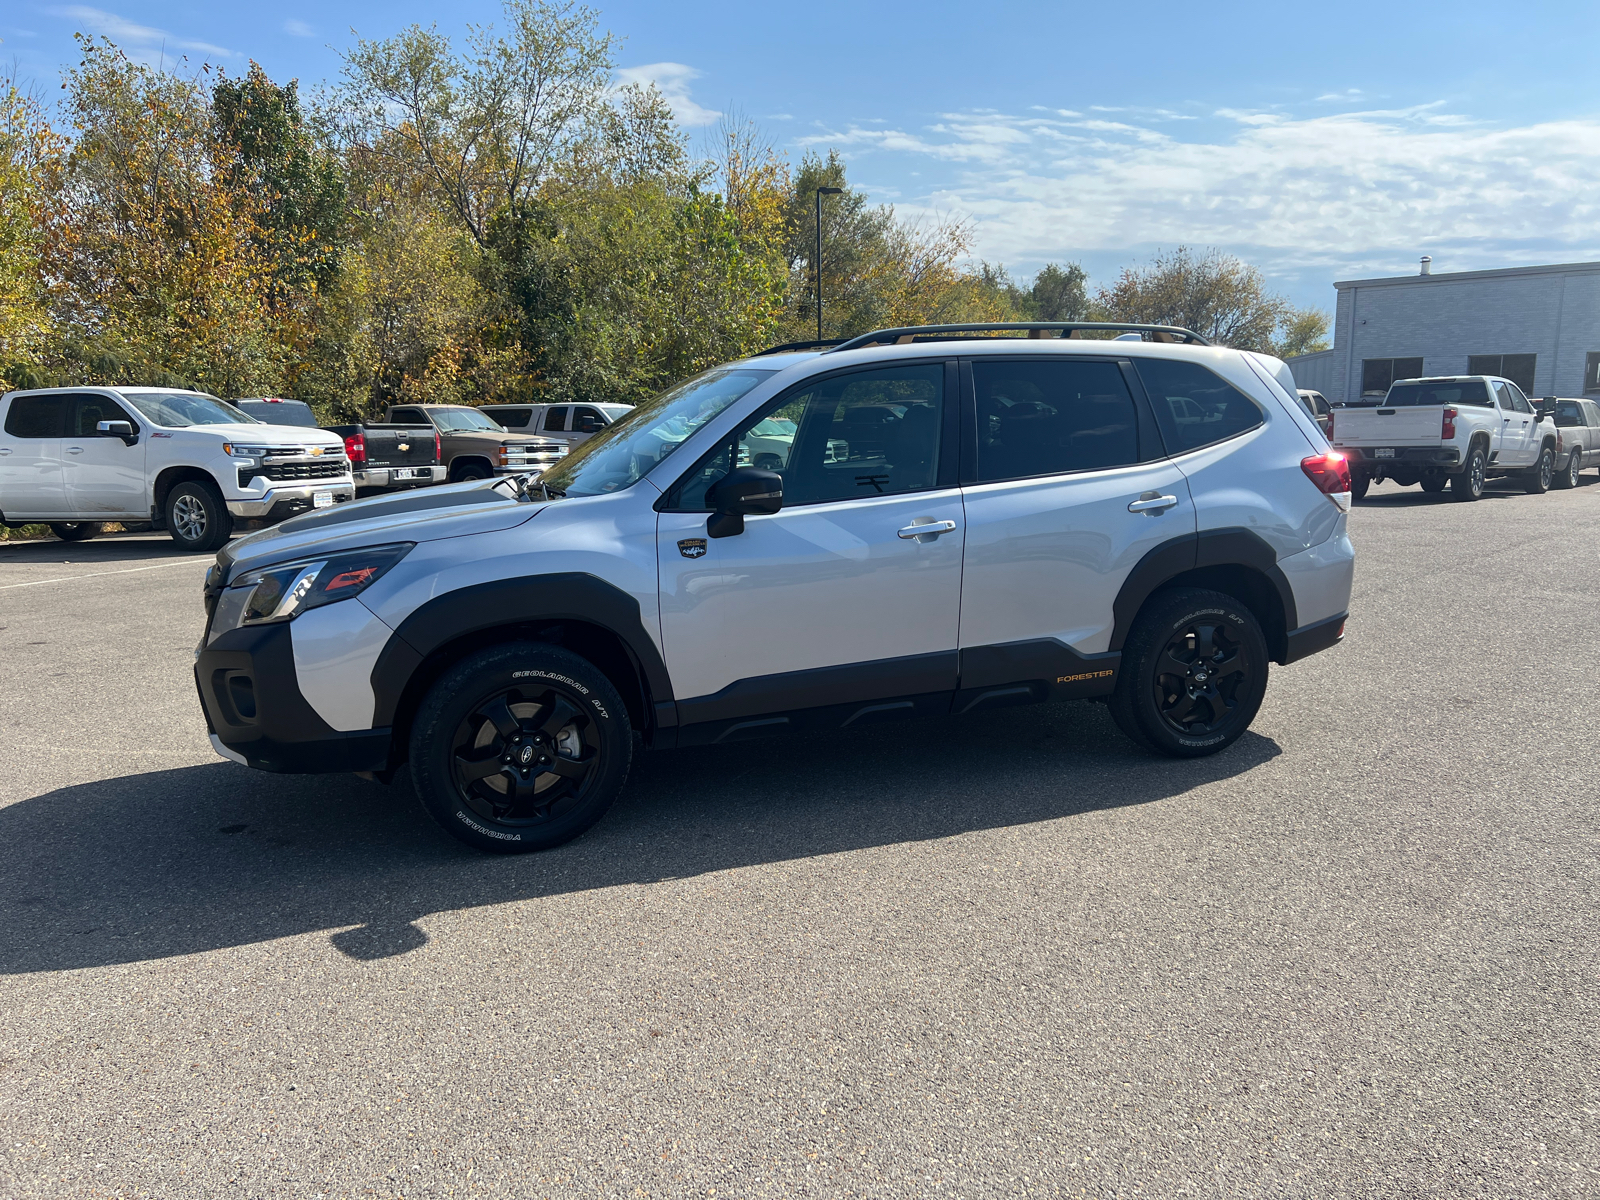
963 519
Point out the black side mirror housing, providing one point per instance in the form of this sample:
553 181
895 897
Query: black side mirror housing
742 492
121 429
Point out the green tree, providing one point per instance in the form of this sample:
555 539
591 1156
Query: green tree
29 153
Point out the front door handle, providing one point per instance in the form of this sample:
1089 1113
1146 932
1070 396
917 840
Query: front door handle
1152 504
926 530
74 449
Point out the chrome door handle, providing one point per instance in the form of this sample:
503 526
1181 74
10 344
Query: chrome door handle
928 529
1152 504
74 449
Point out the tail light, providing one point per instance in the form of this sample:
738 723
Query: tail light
355 447
1447 427
438 447
1331 473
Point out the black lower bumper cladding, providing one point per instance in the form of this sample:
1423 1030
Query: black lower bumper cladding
253 704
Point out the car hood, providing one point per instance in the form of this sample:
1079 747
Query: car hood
449 510
268 435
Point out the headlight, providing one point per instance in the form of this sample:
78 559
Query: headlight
285 590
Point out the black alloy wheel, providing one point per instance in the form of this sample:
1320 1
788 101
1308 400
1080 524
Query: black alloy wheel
1469 484
1537 482
76 531
520 747
1193 673
1568 478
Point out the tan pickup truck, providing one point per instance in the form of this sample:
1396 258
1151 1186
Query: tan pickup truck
475 446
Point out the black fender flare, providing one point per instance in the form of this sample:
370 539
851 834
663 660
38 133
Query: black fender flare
1236 546
506 604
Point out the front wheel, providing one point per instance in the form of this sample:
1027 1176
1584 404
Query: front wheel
1469 484
1193 674
1433 483
469 471
520 747
197 519
1537 481
76 531
1568 478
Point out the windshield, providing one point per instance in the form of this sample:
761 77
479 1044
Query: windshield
277 412
1420 395
621 453
180 410
455 420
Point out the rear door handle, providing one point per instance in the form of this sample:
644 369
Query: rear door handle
74 449
929 530
1152 504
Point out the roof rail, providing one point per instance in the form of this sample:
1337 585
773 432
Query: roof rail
1034 329
788 347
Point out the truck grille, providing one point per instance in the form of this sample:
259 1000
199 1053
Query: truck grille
284 472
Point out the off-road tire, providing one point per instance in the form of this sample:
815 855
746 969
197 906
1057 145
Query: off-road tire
1567 477
197 518
77 531
505 777
1191 653
1537 481
1468 485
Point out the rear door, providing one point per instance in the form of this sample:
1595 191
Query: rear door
1516 426
1070 488
104 476
31 483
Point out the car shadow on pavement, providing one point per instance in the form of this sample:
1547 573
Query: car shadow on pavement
176 862
114 548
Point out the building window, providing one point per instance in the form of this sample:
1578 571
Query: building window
1378 373
1591 372
1516 367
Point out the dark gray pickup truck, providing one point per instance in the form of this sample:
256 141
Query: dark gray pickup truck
391 457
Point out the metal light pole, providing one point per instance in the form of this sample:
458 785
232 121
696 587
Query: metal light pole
821 192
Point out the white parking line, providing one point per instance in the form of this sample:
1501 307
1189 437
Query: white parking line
92 574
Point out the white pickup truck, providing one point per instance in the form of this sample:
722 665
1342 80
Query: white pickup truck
74 458
1460 430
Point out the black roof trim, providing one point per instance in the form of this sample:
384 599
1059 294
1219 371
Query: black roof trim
1064 329
788 347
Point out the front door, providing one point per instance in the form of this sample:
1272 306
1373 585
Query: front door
104 475
1068 498
835 610
30 457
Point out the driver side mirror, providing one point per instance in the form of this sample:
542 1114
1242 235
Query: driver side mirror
120 429
742 492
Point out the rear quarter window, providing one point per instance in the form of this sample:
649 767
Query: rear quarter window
1195 406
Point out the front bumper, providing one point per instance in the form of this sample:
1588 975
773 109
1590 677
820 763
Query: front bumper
280 503
383 477
256 714
1408 456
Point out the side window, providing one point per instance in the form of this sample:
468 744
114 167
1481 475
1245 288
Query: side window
91 410
37 416
1517 398
1195 407
407 416
846 437
1048 418
555 419
587 420
512 418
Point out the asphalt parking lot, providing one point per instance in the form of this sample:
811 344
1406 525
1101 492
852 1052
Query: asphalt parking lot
1355 955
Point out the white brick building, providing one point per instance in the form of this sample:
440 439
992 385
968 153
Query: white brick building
1538 326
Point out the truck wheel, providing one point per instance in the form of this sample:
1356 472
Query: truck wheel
1193 673
197 518
520 747
1359 483
1537 481
469 471
76 531
1469 484
1433 483
1568 478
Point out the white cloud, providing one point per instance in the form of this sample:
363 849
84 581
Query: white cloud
141 41
672 79
298 29
1347 193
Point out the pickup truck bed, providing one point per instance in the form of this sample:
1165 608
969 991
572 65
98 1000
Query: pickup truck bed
385 457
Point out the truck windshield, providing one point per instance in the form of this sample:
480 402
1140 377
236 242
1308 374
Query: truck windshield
180 410
622 452
1472 392
464 420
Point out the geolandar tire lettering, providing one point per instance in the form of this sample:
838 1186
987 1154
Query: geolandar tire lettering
520 747
1193 674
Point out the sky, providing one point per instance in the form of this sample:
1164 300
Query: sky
1318 142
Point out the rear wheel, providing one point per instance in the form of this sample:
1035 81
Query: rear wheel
1469 484
520 747
1537 481
197 519
76 531
1568 477
1193 673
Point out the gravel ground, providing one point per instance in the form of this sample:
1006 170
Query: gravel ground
1355 955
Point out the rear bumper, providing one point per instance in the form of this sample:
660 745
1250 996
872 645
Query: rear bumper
280 503
256 714
383 477
1409 456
